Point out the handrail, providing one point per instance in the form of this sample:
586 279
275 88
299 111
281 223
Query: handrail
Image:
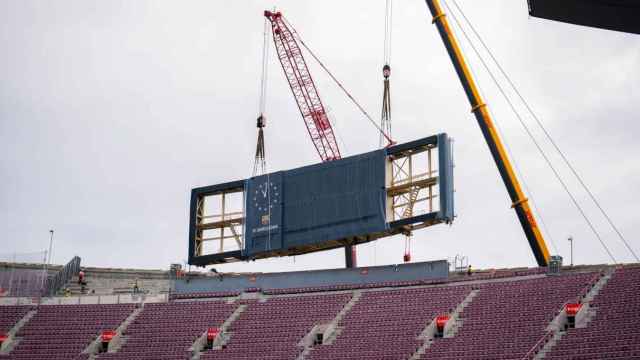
56 282
583 293
534 350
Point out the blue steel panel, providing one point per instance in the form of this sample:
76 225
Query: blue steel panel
445 166
264 213
335 200
239 282
316 203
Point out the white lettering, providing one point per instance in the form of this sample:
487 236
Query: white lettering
265 228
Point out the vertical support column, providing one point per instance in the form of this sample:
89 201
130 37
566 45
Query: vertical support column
194 226
429 174
350 256
222 219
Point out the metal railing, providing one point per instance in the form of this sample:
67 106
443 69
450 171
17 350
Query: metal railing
56 282
585 291
538 346
548 335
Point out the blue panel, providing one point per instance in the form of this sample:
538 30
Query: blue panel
264 213
316 203
239 282
445 166
335 200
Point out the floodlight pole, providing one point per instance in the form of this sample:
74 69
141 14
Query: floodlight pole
50 246
570 239
47 261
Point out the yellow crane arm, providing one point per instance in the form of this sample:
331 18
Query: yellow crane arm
479 109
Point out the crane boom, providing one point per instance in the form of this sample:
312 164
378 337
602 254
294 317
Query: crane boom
303 88
479 109
306 94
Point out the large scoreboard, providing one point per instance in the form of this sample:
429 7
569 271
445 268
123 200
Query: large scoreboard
323 206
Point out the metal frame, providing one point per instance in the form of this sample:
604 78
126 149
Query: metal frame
406 186
229 222
222 221
412 184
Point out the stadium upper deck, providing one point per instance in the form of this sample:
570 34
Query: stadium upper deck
588 312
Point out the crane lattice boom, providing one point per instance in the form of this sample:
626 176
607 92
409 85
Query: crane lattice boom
303 88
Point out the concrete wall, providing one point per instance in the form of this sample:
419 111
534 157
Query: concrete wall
404 272
99 285
121 281
74 300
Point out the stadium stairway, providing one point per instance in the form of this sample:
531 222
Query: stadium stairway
221 340
613 329
583 317
516 310
64 331
168 330
456 321
117 341
272 329
450 329
329 331
12 339
386 323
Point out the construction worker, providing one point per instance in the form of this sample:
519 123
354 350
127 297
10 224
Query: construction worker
81 277
469 272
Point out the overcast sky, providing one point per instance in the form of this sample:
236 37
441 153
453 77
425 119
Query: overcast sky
111 111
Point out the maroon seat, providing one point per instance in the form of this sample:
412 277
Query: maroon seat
64 331
615 329
504 321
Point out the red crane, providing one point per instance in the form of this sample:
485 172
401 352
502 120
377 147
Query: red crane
303 88
306 94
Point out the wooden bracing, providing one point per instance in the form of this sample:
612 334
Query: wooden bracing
226 224
412 185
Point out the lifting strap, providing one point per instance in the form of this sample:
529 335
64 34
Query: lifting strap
385 118
260 163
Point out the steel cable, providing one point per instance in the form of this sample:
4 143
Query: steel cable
547 134
528 131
